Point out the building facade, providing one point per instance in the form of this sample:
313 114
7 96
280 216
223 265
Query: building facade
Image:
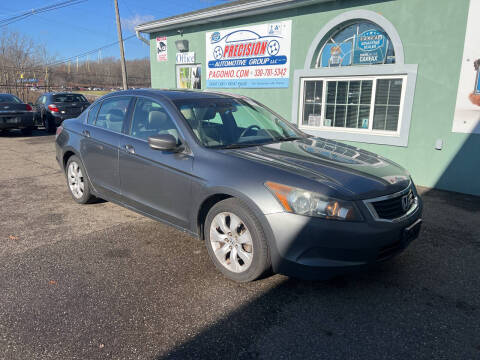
398 78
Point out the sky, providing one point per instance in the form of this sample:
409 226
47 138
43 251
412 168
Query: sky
91 24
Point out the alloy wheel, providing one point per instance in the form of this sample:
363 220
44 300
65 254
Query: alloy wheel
231 242
75 180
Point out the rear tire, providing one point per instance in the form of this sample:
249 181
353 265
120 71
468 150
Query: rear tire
27 131
77 181
232 231
49 124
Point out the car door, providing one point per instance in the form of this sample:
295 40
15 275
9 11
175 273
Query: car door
99 144
154 181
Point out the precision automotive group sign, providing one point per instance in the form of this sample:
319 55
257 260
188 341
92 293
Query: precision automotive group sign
256 56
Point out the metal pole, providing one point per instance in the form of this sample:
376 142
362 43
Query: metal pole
122 53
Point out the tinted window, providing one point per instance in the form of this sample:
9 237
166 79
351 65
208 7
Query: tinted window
7 98
113 113
69 98
92 113
149 119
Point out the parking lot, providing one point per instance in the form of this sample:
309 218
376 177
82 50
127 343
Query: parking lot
101 282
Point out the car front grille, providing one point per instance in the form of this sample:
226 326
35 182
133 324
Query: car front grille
393 207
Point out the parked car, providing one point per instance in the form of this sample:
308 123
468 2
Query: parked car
52 108
262 194
15 114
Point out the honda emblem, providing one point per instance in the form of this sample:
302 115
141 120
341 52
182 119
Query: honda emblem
405 202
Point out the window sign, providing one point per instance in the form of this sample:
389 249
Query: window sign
337 54
185 58
358 43
162 48
256 56
370 47
189 76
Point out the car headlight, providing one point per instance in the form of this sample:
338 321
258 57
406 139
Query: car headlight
304 202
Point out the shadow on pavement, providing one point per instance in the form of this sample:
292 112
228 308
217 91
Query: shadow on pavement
380 313
14 133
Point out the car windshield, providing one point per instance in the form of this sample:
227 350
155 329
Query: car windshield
7 98
230 123
69 98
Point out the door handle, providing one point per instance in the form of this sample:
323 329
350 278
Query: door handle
86 133
130 149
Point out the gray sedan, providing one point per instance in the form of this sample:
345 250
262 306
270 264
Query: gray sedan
262 195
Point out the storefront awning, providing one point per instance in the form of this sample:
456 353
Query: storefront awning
232 10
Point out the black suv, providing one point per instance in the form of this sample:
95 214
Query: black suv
52 108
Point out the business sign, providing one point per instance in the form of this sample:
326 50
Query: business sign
162 53
370 48
185 58
337 54
467 109
256 56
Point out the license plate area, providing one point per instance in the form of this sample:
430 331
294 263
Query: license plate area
411 233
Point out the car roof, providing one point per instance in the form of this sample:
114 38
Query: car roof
62 93
175 94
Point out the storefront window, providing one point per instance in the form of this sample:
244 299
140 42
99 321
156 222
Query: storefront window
356 103
354 84
362 103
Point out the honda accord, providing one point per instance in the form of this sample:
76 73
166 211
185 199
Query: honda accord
263 195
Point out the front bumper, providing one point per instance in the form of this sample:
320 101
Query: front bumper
315 248
16 121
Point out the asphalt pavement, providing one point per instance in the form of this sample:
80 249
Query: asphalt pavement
101 282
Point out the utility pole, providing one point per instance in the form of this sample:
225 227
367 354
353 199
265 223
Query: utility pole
122 53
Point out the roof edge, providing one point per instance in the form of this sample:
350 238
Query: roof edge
211 15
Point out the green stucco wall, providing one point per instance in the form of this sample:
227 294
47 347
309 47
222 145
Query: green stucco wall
432 33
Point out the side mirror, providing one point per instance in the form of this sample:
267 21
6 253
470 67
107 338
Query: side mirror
30 103
162 142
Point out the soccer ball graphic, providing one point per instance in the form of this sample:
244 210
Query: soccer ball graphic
218 52
273 47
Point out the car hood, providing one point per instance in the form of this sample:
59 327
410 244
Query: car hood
349 171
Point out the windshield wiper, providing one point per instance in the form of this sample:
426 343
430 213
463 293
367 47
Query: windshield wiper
290 138
236 146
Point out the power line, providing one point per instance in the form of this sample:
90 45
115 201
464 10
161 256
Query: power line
24 15
87 52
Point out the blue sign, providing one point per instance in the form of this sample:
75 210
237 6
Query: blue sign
337 54
370 48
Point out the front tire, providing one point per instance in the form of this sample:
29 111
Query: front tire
236 242
77 181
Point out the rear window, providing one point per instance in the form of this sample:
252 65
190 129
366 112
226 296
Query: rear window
69 98
7 98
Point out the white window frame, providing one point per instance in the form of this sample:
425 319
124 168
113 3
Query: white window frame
370 129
